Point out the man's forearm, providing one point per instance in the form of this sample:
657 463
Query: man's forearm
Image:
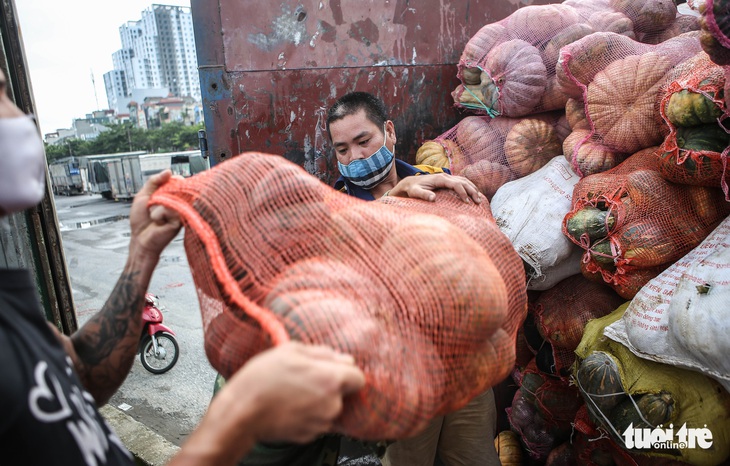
106 345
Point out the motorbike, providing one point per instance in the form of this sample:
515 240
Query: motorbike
158 348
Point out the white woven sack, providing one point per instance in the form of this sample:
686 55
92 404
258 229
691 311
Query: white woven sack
682 317
530 212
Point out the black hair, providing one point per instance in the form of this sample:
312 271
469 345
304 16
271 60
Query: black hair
351 103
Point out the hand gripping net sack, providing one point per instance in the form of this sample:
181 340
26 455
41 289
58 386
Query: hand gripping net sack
427 297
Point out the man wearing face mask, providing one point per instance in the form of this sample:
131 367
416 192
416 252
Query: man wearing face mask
51 384
364 141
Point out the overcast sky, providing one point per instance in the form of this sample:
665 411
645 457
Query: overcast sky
65 41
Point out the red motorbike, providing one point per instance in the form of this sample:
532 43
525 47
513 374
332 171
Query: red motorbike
158 348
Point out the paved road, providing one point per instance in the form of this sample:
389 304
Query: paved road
95 236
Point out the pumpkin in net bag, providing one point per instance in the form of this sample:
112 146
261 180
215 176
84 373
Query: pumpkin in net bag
426 296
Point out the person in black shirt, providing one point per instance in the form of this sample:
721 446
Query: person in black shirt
51 384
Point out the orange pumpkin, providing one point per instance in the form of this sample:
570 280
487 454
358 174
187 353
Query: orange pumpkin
591 157
576 113
621 101
647 16
515 78
682 24
553 98
562 128
561 39
482 42
613 21
509 449
432 153
487 176
539 23
478 138
581 60
530 144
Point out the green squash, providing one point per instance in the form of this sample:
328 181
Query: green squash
653 410
531 381
600 383
687 108
703 138
604 256
592 221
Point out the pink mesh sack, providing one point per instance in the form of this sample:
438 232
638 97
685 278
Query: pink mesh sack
492 151
427 297
619 81
508 67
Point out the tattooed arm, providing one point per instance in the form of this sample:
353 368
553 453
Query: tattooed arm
105 347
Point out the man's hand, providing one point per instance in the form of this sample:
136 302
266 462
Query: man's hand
423 187
290 393
152 228
295 390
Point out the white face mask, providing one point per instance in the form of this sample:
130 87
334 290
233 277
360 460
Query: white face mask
22 165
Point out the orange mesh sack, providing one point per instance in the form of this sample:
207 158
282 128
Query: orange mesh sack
491 152
427 303
619 81
508 67
633 223
563 311
693 107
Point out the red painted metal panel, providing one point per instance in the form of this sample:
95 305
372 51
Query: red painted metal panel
269 70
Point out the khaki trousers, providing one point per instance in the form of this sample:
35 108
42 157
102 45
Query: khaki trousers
462 438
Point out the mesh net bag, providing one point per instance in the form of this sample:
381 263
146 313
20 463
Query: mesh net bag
563 311
509 67
715 25
682 23
491 152
427 297
619 82
693 107
633 223
554 398
525 421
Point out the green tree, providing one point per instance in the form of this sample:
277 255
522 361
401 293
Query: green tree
67 148
125 137
120 138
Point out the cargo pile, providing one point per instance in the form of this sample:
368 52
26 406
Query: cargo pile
599 131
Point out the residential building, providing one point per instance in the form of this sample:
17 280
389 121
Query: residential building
158 51
115 84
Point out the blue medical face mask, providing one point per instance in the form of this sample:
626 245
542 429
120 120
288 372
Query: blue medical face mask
370 172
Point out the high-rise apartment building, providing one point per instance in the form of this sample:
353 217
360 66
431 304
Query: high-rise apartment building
158 51
116 87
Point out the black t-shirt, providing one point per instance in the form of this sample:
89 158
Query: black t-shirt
46 416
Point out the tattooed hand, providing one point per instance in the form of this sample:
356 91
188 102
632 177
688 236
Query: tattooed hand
152 228
104 348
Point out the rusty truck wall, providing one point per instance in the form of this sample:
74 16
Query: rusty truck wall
269 70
